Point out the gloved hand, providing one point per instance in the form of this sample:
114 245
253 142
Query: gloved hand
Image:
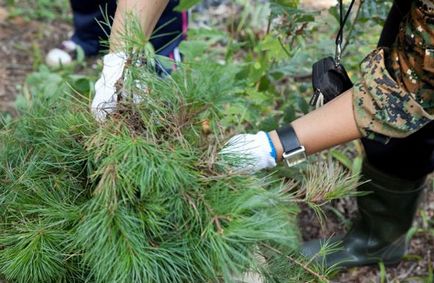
105 98
247 153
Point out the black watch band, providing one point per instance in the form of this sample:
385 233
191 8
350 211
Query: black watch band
293 152
288 138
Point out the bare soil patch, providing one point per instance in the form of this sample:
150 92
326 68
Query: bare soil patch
22 44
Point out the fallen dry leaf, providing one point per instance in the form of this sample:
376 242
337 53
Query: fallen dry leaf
3 14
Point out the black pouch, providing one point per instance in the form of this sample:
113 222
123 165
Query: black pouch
328 80
329 77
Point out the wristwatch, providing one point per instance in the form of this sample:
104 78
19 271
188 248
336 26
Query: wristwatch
293 152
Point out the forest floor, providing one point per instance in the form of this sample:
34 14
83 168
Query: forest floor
23 44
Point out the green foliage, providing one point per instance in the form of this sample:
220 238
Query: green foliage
46 84
137 199
286 3
266 60
143 197
369 15
48 10
186 4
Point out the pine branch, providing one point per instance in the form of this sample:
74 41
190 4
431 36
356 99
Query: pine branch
299 263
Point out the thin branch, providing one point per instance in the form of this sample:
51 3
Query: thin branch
302 265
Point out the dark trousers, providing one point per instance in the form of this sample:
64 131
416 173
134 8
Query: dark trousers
410 158
169 32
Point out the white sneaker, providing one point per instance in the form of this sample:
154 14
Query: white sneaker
63 55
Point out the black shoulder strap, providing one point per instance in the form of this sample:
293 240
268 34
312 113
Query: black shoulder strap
340 36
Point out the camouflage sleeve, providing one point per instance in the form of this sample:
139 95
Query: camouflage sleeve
395 94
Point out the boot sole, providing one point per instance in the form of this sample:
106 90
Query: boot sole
389 263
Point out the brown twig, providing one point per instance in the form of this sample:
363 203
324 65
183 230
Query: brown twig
216 221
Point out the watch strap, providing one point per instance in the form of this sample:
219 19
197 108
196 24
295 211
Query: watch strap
288 138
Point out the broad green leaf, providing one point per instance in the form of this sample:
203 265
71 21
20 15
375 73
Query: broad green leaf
275 49
186 4
193 48
286 3
342 158
269 124
357 165
302 104
289 114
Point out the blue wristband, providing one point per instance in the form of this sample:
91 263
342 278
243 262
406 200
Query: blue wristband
273 150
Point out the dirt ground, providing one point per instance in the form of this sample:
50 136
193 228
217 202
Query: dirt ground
22 42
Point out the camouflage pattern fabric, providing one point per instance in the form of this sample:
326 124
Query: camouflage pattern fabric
395 95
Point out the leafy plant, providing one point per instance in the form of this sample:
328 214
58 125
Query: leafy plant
144 198
41 9
139 198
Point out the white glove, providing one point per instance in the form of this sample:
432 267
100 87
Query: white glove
249 153
105 98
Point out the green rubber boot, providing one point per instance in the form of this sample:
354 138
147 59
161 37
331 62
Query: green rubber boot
386 214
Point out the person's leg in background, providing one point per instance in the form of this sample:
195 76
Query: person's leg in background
170 31
88 34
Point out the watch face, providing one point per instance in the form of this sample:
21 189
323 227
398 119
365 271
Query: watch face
295 157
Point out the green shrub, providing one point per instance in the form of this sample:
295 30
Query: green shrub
139 198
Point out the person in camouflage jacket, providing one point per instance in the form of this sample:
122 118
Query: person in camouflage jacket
393 104
391 107
394 97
